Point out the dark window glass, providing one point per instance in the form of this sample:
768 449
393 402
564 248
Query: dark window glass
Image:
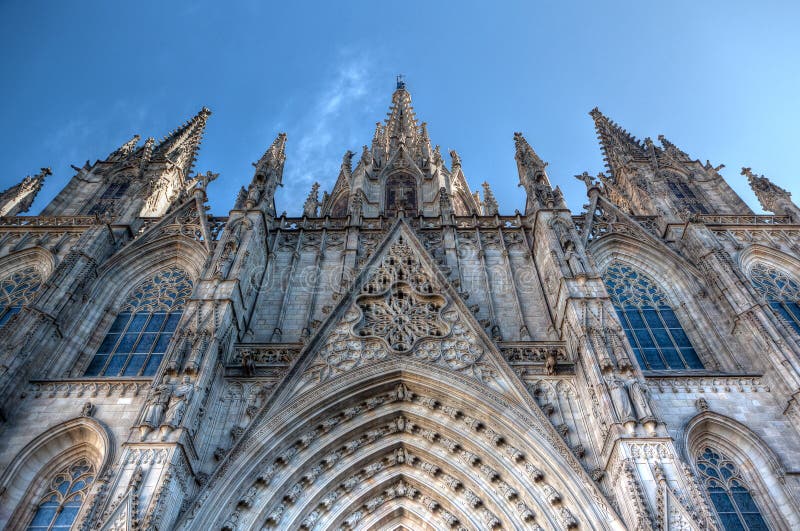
59 507
656 335
138 337
735 506
16 290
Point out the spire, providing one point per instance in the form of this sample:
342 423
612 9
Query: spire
530 166
125 149
533 178
19 198
311 205
772 197
268 176
181 145
490 206
619 146
401 126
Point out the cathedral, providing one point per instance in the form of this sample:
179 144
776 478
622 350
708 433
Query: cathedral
404 355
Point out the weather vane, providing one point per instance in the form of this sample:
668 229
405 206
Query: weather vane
401 83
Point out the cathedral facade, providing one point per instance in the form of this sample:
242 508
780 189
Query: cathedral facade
403 356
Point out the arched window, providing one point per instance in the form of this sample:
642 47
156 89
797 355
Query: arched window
401 193
781 292
16 290
732 500
653 329
138 338
66 492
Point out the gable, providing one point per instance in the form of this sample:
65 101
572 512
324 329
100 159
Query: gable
401 307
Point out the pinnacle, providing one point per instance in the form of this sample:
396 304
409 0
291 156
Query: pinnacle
525 153
181 145
614 140
274 155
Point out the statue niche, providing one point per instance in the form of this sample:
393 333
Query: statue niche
401 194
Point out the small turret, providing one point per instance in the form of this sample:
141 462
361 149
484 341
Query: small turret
181 146
125 150
268 176
619 147
19 198
490 206
772 197
532 176
311 205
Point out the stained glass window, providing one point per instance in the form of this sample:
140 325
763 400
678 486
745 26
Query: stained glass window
653 329
67 490
781 292
16 290
138 338
687 197
732 500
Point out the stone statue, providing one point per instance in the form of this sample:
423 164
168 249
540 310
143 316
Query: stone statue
158 403
639 397
179 401
621 400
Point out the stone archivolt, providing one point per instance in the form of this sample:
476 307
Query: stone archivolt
462 471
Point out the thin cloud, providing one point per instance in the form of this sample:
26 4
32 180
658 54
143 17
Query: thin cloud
338 120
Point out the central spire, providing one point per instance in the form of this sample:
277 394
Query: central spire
400 173
401 126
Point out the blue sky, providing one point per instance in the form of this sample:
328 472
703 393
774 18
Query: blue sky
719 79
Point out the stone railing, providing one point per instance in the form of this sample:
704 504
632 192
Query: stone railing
383 223
718 219
47 221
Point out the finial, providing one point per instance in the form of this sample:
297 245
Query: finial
401 83
456 160
203 180
311 205
490 205
587 179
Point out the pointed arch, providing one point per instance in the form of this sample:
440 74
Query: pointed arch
759 467
774 276
25 480
649 320
115 280
335 447
680 282
21 275
138 338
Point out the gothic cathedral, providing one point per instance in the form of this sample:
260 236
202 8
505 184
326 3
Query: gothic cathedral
403 356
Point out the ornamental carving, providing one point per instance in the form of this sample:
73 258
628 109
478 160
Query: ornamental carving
401 317
398 311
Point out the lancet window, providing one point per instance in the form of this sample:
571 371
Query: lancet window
687 197
16 290
65 494
781 292
653 329
735 506
138 338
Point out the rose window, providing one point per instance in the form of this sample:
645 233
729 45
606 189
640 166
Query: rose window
401 317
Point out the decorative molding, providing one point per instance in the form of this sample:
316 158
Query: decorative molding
688 383
86 387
